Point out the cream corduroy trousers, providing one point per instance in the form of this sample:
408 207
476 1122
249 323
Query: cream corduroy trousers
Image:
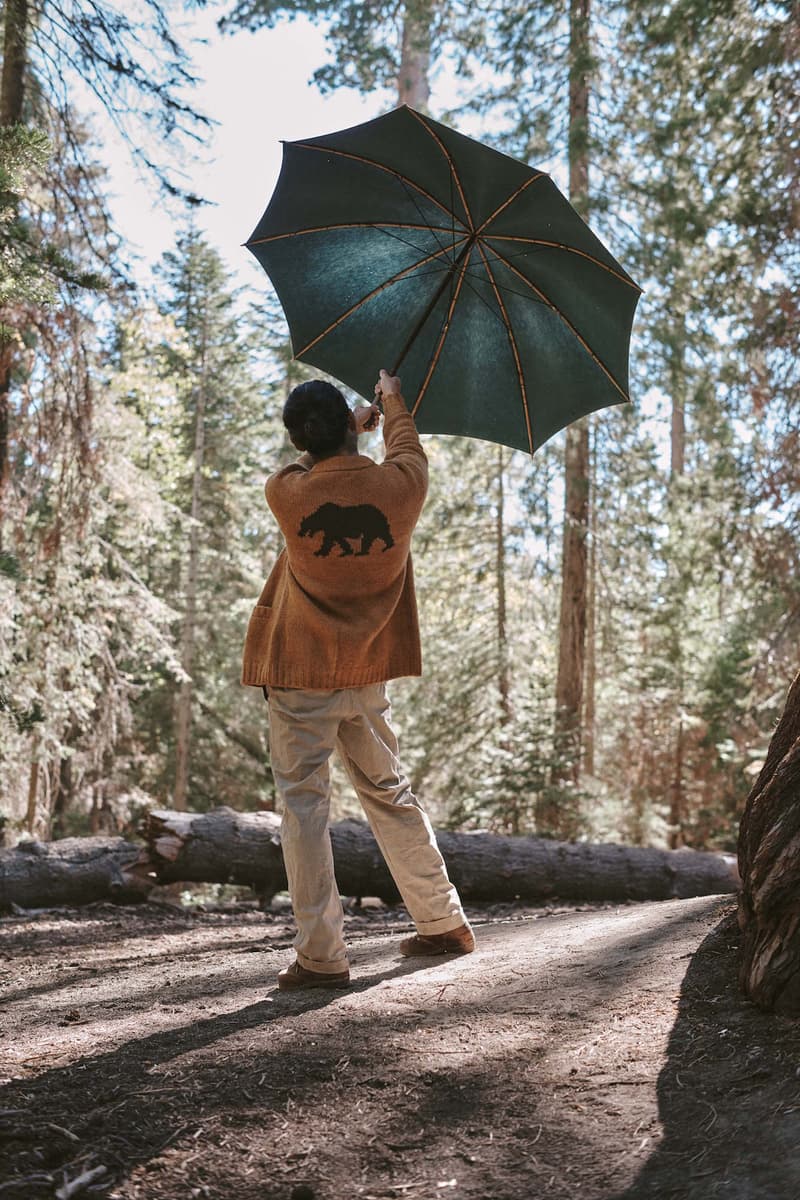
305 728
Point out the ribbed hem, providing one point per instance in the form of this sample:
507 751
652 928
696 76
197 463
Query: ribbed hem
255 676
443 925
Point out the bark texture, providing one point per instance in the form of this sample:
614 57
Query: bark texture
590 672
184 713
503 680
72 871
769 862
12 92
12 80
572 620
224 846
677 371
413 86
227 846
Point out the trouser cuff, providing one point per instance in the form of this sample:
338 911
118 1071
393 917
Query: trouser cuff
323 968
443 925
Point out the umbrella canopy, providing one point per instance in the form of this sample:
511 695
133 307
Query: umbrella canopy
400 243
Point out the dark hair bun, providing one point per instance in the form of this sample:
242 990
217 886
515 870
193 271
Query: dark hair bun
316 415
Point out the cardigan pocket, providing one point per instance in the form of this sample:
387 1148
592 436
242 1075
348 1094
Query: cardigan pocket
258 633
259 626
257 640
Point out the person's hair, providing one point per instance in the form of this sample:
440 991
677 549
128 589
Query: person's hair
316 416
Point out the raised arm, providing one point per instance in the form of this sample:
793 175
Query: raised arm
403 447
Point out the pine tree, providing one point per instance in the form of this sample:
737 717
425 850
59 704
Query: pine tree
706 169
140 88
228 436
79 622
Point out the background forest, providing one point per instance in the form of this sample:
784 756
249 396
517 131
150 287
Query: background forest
609 628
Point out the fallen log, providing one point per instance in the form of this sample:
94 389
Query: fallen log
73 871
224 846
769 861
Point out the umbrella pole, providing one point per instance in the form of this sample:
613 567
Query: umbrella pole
465 249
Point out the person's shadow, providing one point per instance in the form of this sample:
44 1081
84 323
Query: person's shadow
729 1093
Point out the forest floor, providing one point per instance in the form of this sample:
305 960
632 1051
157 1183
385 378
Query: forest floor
601 1052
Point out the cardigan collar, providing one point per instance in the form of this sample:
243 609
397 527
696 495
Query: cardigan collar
343 462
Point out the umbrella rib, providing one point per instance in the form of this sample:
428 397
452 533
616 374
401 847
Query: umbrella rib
507 237
371 162
510 200
450 162
551 304
513 341
375 291
384 227
445 330
276 237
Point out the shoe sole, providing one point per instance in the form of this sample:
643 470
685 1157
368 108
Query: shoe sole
308 984
436 952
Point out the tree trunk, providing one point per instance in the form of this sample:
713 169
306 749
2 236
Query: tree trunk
676 803
72 871
503 683
224 846
6 367
642 784
677 435
572 623
12 85
677 378
590 688
769 861
580 65
184 714
33 793
677 466
63 797
511 811
413 87
12 90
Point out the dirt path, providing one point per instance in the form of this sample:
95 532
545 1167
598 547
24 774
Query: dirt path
603 1054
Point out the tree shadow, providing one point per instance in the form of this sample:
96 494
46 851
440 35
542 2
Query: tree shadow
261 943
115 1101
419 1082
729 1093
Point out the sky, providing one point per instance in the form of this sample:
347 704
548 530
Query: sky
256 87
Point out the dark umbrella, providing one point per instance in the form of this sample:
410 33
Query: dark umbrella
403 244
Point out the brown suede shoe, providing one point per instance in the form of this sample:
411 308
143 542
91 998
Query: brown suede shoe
455 941
295 976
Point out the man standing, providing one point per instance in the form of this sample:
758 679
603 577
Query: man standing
336 619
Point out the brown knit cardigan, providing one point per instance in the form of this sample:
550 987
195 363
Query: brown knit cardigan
339 608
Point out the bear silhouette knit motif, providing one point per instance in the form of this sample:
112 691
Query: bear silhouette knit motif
339 526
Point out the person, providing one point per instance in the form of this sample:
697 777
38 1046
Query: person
336 619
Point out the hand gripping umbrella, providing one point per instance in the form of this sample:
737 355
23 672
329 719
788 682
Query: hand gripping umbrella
401 243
